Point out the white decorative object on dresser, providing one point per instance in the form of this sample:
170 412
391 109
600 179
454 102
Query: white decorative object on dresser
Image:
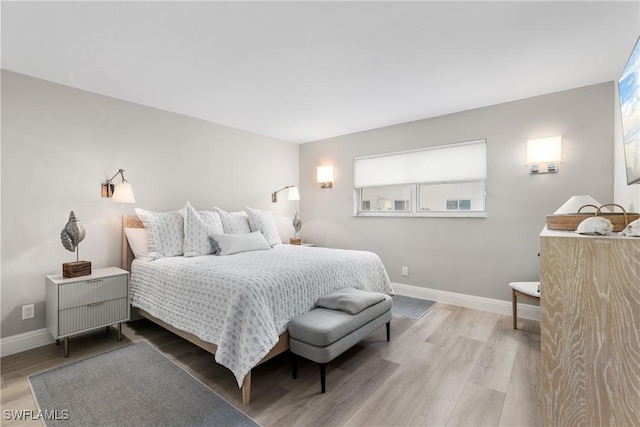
81 304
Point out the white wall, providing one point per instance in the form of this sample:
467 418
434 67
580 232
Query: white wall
59 144
474 256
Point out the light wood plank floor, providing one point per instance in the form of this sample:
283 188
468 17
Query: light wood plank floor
455 366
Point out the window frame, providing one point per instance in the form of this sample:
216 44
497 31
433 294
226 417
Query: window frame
415 192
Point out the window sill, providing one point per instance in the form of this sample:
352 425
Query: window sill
429 214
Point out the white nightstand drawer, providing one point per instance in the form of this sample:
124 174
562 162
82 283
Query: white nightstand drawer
92 315
90 291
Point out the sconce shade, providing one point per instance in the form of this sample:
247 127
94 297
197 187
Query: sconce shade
544 150
123 193
324 176
294 194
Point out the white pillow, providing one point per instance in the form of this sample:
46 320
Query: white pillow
234 222
229 244
165 232
264 221
198 226
137 238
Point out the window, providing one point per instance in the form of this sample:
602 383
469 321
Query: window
459 205
446 180
386 198
458 196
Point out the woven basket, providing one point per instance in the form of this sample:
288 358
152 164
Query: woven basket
569 222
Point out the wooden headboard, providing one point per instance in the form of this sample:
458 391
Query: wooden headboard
128 221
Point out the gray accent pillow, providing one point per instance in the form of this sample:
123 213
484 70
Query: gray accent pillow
350 300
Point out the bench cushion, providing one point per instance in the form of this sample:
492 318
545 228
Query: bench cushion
322 326
325 354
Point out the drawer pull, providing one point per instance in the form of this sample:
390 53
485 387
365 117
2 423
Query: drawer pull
95 280
94 304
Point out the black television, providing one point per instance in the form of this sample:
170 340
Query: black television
629 91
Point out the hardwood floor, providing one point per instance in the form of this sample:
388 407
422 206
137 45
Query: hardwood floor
455 366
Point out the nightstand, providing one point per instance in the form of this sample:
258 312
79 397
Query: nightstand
81 304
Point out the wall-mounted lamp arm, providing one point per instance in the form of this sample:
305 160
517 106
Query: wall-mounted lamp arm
108 187
274 195
121 172
283 188
124 193
293 193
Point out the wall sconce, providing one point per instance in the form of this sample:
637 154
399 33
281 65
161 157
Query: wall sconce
122 193
325 176
544 154
293 194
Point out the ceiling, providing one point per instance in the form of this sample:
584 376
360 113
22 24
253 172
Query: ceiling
305 71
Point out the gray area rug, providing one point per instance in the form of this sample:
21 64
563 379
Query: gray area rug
413 308
131 386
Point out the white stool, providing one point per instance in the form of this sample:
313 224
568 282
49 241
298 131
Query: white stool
529 290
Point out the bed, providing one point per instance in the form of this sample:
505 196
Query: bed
237 307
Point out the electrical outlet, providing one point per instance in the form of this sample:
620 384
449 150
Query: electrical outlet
405 271
28 311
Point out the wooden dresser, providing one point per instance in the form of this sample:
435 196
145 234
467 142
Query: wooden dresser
590 321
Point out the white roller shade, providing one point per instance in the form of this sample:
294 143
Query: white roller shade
465 161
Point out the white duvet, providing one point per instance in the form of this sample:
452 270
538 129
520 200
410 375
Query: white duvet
243 302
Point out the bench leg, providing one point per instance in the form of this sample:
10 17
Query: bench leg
295 365
388 331
323 376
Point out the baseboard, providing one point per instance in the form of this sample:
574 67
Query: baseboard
26 341
525 311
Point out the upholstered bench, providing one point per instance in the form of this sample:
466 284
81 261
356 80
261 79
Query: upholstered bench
323 334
